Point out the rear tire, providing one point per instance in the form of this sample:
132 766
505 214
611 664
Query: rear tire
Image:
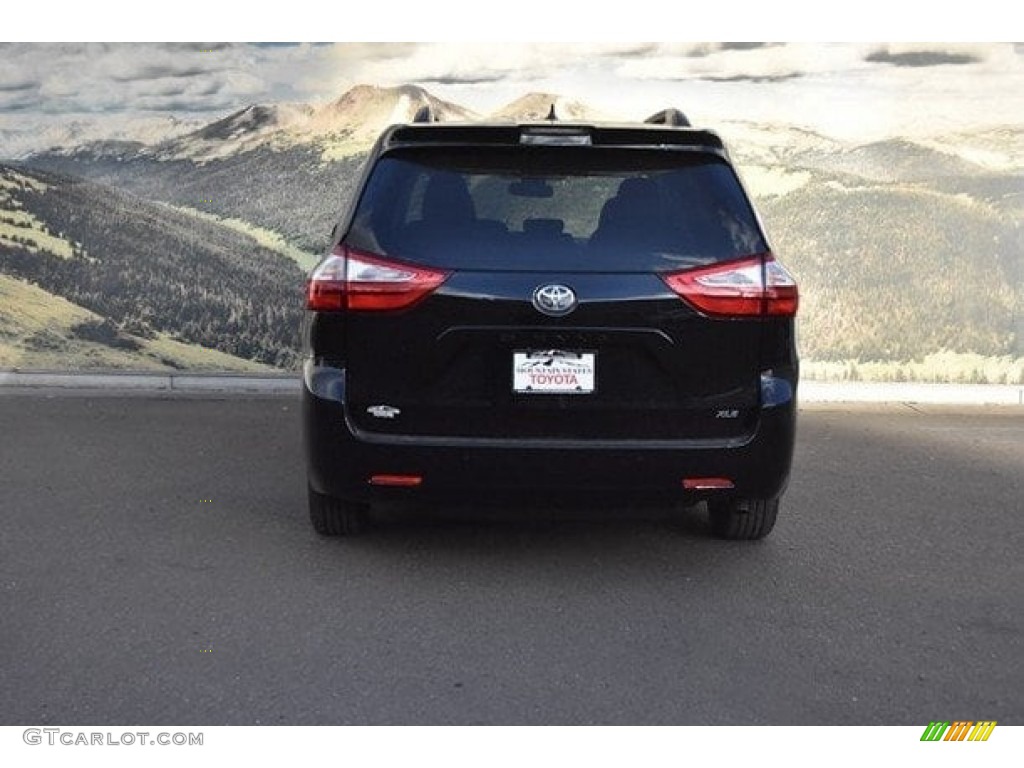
334 517
743 519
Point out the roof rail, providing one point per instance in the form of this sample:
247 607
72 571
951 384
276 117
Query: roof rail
669 116
425 114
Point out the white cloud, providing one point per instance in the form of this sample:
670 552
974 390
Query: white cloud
102 78
853 87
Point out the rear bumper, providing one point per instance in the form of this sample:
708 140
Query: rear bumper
341 460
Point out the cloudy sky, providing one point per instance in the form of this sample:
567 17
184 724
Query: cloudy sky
857 91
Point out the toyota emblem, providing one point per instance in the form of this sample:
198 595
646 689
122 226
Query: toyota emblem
554 300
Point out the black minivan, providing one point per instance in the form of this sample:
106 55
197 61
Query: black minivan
550 312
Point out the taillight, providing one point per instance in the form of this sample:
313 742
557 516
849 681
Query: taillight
325 289
748 287
351 279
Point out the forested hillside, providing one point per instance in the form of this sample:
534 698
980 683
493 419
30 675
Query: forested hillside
894 273
904 249
292 191
149 269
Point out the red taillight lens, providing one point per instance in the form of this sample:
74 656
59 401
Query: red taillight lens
749 287
350 279
781 294
325 289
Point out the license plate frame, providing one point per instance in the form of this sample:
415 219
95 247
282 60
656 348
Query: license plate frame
554 372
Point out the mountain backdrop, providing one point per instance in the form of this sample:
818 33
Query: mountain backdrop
188 250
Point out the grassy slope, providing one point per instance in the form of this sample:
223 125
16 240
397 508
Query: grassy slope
18 227
36 331
954 367
265 237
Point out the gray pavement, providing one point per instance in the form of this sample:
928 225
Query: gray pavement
156 567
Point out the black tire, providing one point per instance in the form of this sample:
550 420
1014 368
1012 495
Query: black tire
743 519
334 517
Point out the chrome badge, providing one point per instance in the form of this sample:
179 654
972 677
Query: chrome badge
383 411
554 300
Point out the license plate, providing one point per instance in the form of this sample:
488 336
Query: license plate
554 372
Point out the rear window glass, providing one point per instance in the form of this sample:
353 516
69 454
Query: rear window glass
566 209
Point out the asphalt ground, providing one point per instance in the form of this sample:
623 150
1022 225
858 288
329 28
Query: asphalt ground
157 567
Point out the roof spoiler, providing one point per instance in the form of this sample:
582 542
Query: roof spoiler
670 116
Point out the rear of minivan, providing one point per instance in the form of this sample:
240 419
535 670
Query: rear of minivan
550 315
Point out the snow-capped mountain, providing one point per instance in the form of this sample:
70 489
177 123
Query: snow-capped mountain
239 132
349 123
537 106
363 111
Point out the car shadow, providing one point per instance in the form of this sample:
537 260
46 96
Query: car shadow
512 527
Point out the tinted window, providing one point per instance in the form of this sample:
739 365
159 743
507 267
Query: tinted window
566 209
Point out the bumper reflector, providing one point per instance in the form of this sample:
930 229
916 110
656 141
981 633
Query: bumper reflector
397 481
707 483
